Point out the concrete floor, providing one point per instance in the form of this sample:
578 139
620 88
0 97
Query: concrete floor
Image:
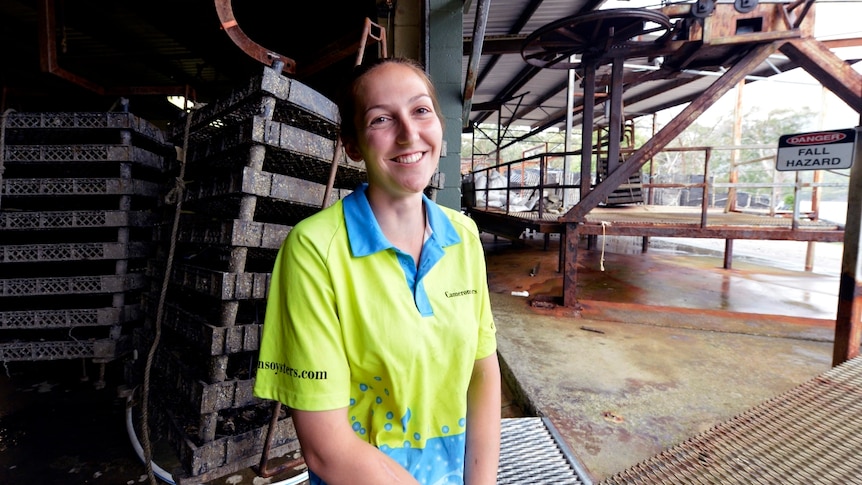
661 346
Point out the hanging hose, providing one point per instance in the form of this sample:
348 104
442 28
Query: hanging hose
158 471
166 477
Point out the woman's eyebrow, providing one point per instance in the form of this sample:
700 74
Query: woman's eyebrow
384 106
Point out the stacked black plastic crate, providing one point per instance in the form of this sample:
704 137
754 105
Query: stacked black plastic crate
258 161
77 207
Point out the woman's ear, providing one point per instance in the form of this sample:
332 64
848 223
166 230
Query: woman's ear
352 151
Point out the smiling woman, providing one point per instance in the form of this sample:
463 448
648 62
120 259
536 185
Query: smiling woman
385 293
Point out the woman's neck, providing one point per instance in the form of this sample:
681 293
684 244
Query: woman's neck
402 221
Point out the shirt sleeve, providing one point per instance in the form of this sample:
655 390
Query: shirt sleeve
302 360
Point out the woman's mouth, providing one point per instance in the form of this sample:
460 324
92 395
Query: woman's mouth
408 159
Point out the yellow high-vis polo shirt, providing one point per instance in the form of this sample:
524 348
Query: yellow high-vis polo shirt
351 322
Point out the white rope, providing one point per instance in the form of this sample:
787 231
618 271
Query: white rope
602 260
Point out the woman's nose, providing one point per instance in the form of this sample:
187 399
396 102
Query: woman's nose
407 131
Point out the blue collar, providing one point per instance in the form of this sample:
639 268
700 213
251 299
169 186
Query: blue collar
364 232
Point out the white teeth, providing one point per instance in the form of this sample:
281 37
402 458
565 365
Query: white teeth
407 159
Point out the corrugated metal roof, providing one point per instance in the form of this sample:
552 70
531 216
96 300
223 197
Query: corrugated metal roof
506 77
513 92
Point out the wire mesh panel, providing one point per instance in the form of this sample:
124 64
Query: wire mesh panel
78 198
48 126
808 435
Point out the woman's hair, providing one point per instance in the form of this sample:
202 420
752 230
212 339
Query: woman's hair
346 100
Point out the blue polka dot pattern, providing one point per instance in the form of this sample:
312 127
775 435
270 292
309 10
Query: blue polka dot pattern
433 453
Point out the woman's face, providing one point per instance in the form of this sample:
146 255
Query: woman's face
399 135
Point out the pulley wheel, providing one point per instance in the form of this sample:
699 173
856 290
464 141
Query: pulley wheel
596 37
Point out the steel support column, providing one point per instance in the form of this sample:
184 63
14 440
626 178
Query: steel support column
482 10
615 118
848 324
728 253
587 119
569 245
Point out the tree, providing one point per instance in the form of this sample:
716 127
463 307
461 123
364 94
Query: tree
756 158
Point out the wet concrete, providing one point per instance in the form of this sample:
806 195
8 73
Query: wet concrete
661 346
675 276
57 428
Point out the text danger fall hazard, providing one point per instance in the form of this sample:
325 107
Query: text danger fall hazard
821 150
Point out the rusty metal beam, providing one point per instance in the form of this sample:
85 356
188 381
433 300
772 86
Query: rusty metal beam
250 47
371 34
720 232
48 49
48 62
839 43
832 72
685 118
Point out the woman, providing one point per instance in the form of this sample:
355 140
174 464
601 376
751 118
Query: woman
378 333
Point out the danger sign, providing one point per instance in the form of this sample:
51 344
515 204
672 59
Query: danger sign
822 150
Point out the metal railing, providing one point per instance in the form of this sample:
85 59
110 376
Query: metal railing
513 192
541 160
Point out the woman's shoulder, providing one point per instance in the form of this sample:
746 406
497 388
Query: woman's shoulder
323 222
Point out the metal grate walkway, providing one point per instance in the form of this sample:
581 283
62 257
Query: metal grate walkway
808 435
532 452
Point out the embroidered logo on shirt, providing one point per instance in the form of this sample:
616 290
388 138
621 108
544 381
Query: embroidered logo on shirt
460 293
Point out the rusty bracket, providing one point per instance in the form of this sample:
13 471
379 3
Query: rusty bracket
371 31
250 47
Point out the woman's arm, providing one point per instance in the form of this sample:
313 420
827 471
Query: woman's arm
483 423
334 452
